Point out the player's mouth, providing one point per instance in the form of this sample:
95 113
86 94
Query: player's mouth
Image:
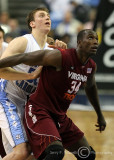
47 23
94 48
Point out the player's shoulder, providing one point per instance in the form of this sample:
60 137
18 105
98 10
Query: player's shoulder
27 36
19 41
92 63
68 50
69 54
18 44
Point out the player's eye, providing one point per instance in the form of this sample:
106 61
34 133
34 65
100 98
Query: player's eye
49 16
41 15
90 38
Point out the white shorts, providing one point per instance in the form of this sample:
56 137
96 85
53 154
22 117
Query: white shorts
11 124
8 148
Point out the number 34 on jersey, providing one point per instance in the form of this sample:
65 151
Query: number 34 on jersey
71 93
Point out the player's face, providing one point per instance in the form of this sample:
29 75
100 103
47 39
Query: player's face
42 21
90 42
1 38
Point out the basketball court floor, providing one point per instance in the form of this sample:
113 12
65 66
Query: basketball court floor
103 142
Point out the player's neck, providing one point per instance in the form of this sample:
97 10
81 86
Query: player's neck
82 58
40 38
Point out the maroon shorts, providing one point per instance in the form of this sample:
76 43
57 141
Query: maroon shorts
43 127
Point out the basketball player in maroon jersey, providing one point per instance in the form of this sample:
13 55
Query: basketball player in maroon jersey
49 129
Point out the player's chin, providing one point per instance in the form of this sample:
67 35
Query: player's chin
47 29
93 52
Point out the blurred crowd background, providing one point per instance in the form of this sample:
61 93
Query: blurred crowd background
68 18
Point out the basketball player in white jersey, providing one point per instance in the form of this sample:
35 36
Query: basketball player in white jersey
13 94
3 46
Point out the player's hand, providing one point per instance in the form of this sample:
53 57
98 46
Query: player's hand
36 73
58 44
50 41
101 123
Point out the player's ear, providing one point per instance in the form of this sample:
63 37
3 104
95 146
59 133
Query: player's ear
78 42
32 24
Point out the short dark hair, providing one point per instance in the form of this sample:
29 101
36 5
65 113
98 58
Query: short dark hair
1 30
30 16
81 34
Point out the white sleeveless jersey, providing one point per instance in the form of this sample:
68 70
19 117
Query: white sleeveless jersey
17 91
2 49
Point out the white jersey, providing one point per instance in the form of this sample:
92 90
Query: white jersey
18 90
13 96
4 46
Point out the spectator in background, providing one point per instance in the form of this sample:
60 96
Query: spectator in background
4 17
93 3
14 30
9 37
66 38
58 9
89 24
80 11
14 27
101 15
69 26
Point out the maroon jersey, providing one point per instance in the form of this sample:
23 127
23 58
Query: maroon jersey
45 118
57 89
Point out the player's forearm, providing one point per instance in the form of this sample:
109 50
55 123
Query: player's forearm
11 61
11 74
32 58
92 95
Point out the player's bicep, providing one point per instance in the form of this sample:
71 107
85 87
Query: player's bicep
16 46
53 58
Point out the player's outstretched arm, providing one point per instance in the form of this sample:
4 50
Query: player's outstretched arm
92 94
40 57
11 74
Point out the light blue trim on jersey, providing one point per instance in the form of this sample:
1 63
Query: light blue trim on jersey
13 120
12 116
3 83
